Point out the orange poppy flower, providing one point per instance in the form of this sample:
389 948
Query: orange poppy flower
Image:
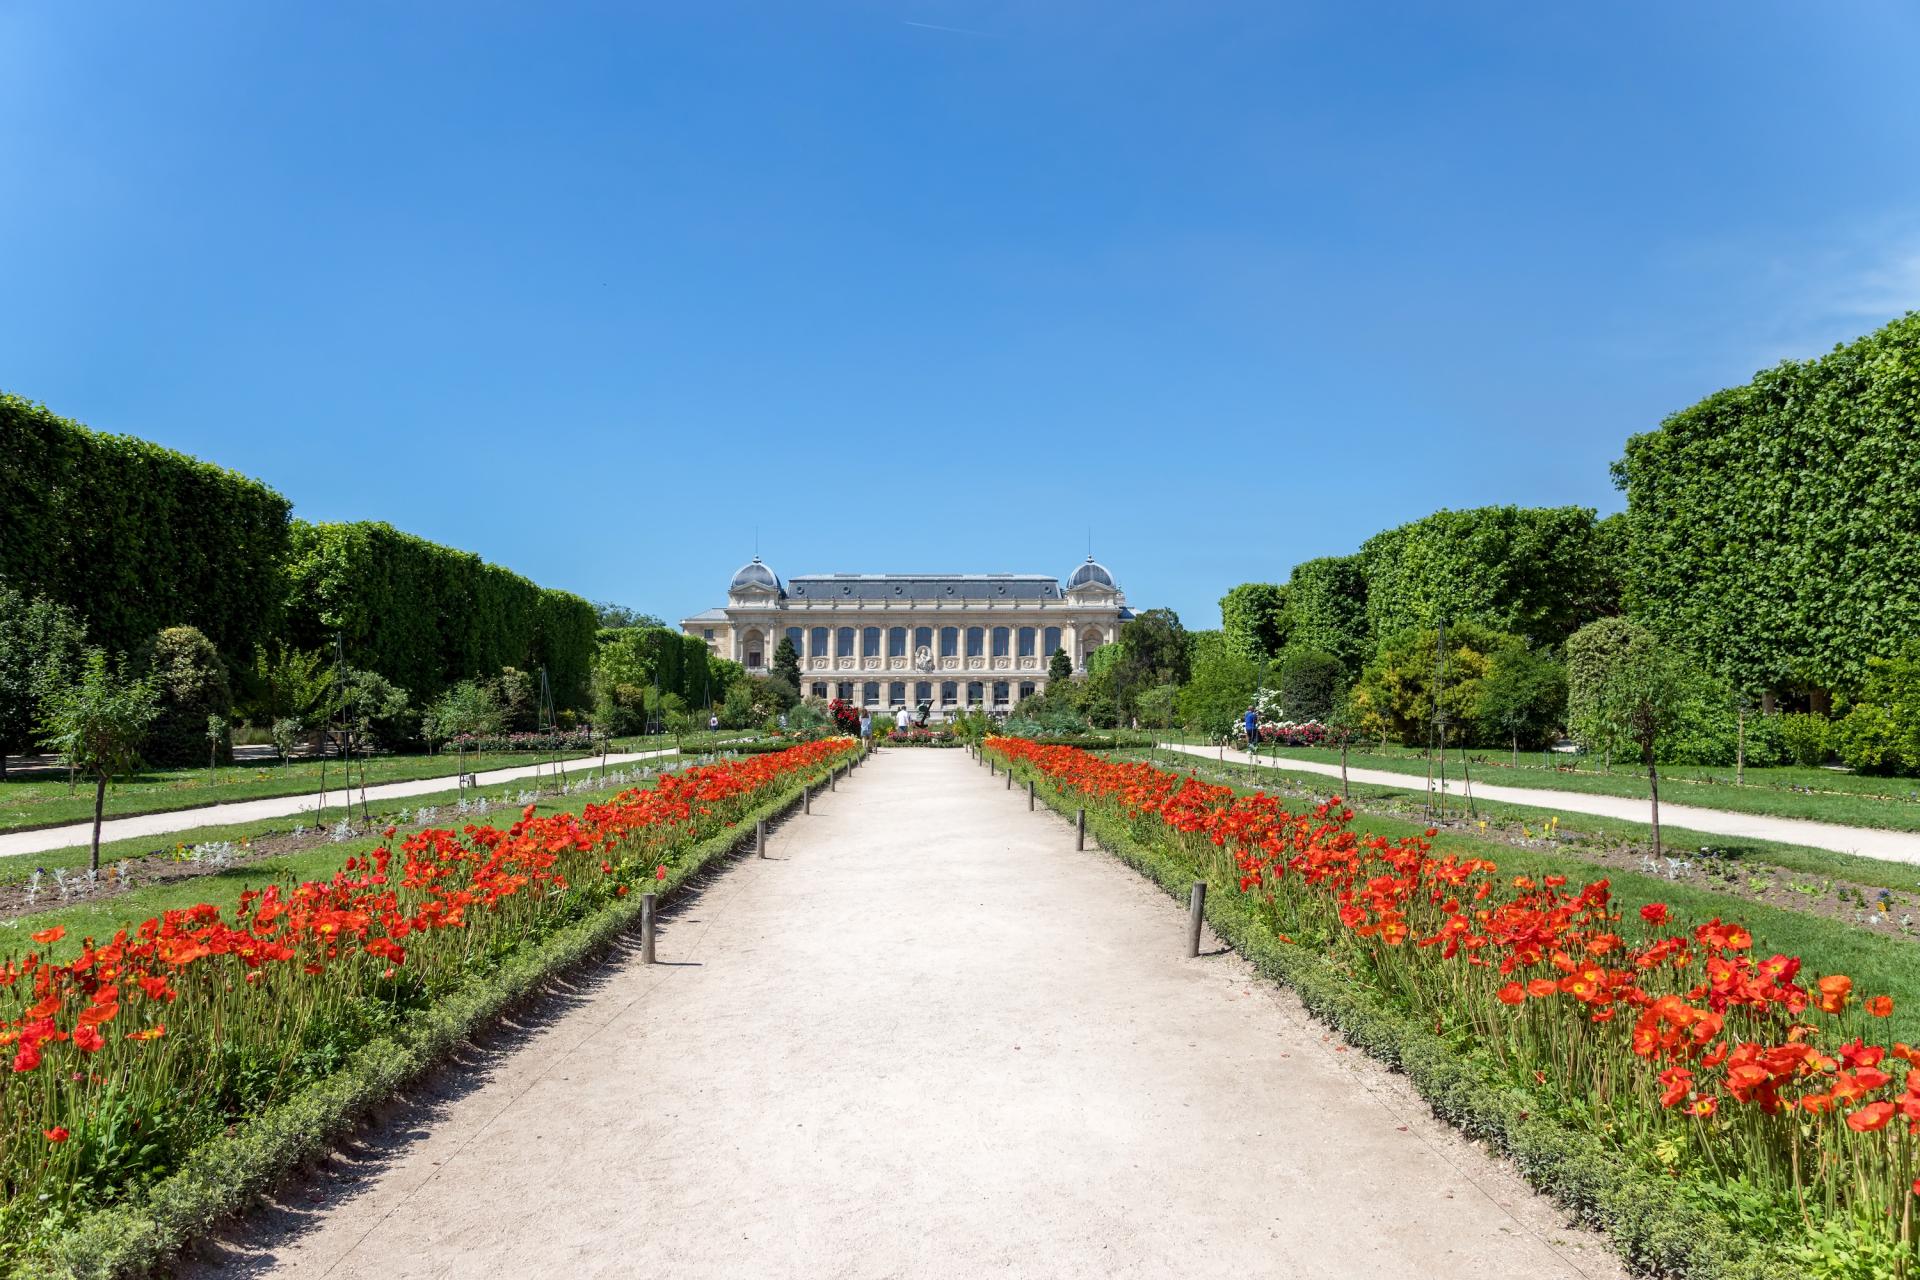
1879 1006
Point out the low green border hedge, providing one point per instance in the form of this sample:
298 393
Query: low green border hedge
1653 1229
227 1175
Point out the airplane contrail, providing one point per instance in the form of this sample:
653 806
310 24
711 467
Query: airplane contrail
934 26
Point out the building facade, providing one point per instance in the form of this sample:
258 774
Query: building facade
942 641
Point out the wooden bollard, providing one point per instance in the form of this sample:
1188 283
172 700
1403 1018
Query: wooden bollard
760 837
806 799
1196 913
1080 830
1029 796
992 768
647 901
833 778
1009 779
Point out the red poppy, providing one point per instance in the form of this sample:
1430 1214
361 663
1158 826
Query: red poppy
1870 1118
54 934
56 1134
1879 1006
1655 913
660 873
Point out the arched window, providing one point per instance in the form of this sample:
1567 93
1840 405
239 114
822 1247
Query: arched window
923 639
870 693
999 693
1050 641
896 642
817 645
1002 641
1026 642
843 643
923 691
976 693
870 642
976 641
949 693
799 638
897 694
949 642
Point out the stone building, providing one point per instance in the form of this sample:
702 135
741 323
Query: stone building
887 640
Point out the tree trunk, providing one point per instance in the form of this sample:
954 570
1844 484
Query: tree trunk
99 804
1740 751
1653 793
1516 751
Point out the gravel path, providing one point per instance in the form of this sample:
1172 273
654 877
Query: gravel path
1868 842
925 1038
43 839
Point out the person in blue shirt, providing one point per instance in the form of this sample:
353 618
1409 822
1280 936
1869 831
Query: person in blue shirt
1253 729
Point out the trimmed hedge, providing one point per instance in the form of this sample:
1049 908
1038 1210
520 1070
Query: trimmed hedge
229 1174
425 616
135 537
1774 527
1327 605
1654 1228
1537 572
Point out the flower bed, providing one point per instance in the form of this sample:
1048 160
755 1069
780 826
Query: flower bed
1746 1087
132 1059
923 738
558 740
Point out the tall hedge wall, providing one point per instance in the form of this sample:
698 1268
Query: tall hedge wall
134 537
1327 605
1539 572
1774 528
425 616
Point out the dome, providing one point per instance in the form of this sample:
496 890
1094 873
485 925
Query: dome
1090 572
754 574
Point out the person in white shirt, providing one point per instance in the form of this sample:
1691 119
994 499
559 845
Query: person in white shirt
902 720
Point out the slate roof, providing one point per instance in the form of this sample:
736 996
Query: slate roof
924 586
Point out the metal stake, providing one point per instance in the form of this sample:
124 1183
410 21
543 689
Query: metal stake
1080 830
760 837
646 928
1197 911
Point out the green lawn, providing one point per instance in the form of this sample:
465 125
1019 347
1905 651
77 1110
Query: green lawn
1822 795
1877 963
46 801
1759 855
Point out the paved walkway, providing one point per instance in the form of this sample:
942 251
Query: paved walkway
1868 842
43 839
925 1038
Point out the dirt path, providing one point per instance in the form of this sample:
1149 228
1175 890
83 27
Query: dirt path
926 1038
42 839
1868 842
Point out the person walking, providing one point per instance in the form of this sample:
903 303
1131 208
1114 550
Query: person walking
866 729
902 720
713 720
1252 722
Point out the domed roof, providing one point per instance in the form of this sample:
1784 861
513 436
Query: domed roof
754 574
1090 572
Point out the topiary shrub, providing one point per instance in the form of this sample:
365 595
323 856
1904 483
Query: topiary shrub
193 685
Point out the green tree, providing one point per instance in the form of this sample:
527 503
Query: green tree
470 709
1159 706
286 683
1344 723
1221 687
97 723
614 616
1308 680
1059 669
193 685
519 700
1397 691
1254 617
1625 689
42 646
1529 571
786 662
1523 696
1153 649
1327 607
372 706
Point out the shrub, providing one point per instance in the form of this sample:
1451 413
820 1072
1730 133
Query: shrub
1881 730
1398 684
1808 739
42 647
193 685
1308 680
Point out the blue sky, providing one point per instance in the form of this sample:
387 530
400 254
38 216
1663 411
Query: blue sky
595 290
